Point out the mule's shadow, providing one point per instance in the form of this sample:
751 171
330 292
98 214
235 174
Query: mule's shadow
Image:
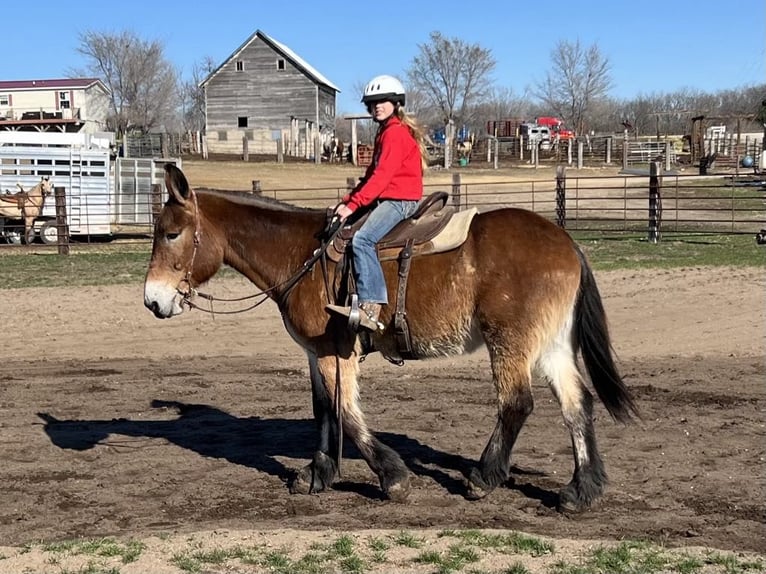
256 443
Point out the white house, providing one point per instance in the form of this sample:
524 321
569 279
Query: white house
64 105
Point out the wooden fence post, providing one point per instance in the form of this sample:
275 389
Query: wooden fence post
668 151
608 151
561 197
580 154
625 150
156 200
62 227
280 150
456 190
497 152
655 202
256 183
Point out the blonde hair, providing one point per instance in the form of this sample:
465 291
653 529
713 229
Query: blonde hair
417 133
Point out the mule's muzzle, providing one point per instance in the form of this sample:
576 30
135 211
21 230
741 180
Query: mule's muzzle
154 307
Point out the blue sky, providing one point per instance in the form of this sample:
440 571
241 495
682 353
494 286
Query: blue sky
653 46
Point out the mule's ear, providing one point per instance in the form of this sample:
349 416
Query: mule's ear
176 184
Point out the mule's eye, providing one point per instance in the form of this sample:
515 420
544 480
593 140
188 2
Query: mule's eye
171 236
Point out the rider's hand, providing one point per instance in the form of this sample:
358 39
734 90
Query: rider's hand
343 211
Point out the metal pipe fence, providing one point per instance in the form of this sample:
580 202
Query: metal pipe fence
610 205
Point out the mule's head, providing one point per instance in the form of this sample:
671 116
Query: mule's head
184 254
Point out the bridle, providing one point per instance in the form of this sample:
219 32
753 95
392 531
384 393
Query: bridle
190 292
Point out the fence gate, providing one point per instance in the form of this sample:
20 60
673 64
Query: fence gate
134 179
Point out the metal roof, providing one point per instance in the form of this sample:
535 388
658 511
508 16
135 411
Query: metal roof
299 62
51 84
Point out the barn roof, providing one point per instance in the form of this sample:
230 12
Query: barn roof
280 48
51 84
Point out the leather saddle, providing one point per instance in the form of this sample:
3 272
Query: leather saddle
434 227
19 199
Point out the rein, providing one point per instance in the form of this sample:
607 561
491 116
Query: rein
187 295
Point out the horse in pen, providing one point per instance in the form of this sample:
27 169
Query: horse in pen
26 206
515 283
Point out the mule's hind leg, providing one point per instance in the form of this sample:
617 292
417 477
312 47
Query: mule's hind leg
511 374
321 472
589 479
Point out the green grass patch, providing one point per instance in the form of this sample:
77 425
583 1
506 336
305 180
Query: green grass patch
672 251
105 547
637 557
127 264
74 270
407 539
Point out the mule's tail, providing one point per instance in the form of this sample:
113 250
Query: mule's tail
592 339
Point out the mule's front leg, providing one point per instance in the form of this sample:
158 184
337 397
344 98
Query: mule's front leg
384 461
320 474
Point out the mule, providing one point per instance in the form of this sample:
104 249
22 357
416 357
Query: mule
26 205
518 284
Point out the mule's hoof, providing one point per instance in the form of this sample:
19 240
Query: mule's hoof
306 482
399 491
300 485
476 487
570 503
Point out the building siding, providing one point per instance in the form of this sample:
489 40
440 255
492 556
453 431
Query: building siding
269 97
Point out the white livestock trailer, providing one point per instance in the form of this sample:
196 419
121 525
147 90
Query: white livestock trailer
102 193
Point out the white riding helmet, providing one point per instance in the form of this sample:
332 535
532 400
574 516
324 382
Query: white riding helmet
383 88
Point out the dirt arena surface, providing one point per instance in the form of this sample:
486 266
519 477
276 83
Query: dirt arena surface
117 424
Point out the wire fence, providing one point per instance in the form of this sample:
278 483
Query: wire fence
663 204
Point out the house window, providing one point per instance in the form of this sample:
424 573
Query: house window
242 122
240 66
280 64
64 103
5 100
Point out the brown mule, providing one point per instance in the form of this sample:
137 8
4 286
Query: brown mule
518 285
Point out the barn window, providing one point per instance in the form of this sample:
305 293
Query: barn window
240 66
242 122
5 100
281 64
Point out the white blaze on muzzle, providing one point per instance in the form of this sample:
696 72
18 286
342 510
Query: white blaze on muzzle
162 299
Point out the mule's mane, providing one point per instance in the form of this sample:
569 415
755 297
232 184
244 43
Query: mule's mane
245 198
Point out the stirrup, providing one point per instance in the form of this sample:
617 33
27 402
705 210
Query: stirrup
354 316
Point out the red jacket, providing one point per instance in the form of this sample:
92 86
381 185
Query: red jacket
396 171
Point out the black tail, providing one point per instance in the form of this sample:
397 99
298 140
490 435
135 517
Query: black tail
593 341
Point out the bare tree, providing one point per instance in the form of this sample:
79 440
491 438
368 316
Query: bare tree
452 75
193 96
578 77
143 84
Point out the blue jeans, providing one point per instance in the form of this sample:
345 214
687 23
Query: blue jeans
370 283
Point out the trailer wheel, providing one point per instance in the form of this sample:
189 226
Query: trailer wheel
49 233
13 235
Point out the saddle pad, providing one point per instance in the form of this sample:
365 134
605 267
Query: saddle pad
452 236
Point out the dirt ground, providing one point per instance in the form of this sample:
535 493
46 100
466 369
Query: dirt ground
115 423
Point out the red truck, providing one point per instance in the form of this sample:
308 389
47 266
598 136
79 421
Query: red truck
556 126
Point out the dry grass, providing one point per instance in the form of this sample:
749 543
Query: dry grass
239 175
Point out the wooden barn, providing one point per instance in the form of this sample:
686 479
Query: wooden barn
266 94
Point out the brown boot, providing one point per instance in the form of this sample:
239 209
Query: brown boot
369 316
